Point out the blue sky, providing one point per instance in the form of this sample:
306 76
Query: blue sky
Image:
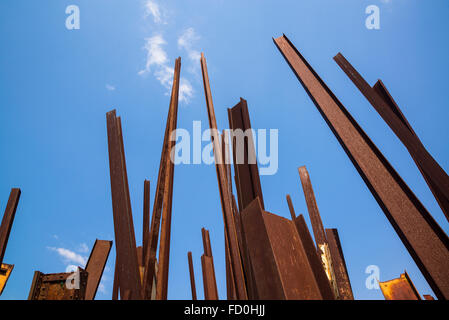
57 85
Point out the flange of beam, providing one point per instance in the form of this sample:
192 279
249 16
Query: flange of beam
192 275
95 266
422 236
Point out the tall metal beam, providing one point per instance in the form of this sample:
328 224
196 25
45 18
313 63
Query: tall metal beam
125 242
223 189
207 263
162 199
192 275
339 265
379 97
8 219
95 266
422 236
146 217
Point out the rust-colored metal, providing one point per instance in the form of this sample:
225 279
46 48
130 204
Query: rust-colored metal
95 266
207 263
53 286
163 200
115 289
146 217
8 219
401 288
314 259
291 208
228 216
422 236
339 265
428 297
125 242
5 272
192 275
279 262
244 155
379 97
230 287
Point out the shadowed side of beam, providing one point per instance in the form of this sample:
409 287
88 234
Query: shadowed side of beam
192 275
95 266
8 219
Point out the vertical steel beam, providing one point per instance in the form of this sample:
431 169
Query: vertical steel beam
339 264
207 263
162 199
128 272
223 189
95 266
8 219
146 217
246 173
379 97
192 275
422 236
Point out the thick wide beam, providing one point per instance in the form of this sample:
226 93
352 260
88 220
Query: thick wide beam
228 216
95 266
383 103
8 219
422 236
125 242
401 288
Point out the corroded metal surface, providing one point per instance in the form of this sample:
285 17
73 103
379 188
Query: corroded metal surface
228 215
401 288
5 273
422 236
7 220
383 103
192 275
207 263
339 265
95 266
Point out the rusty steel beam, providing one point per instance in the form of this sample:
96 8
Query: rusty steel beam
207 263
8 219
127 268
246 174
5 272
401 288
162 201
115 288
228 216
146 218
291 208
192 275
379 97
314 259
339 265
280 265
428 297
95 266
422 236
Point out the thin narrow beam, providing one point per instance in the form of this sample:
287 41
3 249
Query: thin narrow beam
8 219
420 233
192 275
160 198
146 216
207 263
95 266
339 265
224 195
291 208
127 268
383 103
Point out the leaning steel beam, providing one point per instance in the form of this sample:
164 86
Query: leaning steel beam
339 265
95 266
192 275
223 189
401 288
125 243
317 227
422 236
379 97
8 219
164 248
244 156
162 199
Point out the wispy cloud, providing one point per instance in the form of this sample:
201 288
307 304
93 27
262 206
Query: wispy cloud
69 256
157 63
187 41
83 248
110 87
152 9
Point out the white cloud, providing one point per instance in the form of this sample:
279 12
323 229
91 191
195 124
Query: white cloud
187 41
83 248
152 9
110 87
385 1
70 256
157 62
